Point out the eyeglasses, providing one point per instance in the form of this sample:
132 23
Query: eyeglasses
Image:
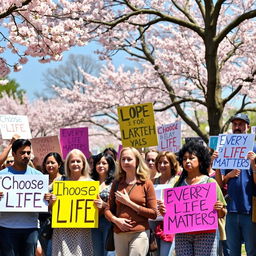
9 161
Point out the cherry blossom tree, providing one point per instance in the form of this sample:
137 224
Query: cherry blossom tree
190 56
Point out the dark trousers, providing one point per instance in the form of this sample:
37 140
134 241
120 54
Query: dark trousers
18 241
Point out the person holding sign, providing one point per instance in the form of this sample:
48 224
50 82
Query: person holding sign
133 203
168 166
19 230
241 186
53 166
195 160
73 241
103 171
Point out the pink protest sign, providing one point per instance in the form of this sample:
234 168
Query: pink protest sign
190 208
74 138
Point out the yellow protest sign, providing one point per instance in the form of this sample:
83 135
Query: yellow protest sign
74 207
137 125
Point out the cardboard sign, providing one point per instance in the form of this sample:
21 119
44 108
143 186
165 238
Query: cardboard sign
137 125
233 150
74 207
213 141
14 124
44 145
74 138
253 129
169 137
24 193
190 208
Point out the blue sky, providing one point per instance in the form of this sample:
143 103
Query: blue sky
30 78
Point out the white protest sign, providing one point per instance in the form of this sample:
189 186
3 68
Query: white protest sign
23 193
159 190
233 150
169 137
14 124
253 129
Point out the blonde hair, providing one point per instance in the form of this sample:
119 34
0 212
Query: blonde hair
142 170
151 150
172 158
77 152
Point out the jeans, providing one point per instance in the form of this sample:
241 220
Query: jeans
18 241
99 237
166 248
239 227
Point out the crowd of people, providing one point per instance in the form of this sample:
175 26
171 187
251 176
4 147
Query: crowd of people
127 202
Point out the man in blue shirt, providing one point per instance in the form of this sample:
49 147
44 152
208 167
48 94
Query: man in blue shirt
19 230
240 188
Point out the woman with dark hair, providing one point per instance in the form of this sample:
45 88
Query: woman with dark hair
195 160
53 166
111 151
103 170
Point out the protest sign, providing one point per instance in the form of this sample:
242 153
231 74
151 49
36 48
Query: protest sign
169 137
253 129
159 190
233 150
44 145
137 125
14 124
190 208
213 141
74 138
74 207
24 193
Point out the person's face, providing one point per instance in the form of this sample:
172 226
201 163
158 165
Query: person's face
22 155
102 166
240 126
164 165
90 162
128 161
75 163
190 162
150 160
51 165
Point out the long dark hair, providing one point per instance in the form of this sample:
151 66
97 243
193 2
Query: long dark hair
201 152
58 159
111 167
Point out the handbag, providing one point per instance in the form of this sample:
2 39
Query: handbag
109 243
152 241
46 229
254 209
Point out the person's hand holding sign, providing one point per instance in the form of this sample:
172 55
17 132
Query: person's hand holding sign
1 195
99 203
219 207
